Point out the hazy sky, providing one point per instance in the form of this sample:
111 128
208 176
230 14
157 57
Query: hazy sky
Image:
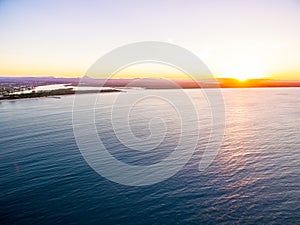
234 38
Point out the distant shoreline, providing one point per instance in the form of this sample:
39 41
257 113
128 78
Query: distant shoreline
21 99
52 94
150 83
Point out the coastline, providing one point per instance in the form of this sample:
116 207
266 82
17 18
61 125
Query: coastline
21 99
55 94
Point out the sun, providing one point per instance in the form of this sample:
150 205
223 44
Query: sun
244 73
242 79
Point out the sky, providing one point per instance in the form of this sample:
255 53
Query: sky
234 38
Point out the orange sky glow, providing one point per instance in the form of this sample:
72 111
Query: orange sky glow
235 39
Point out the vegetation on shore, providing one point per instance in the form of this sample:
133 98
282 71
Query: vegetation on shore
67 91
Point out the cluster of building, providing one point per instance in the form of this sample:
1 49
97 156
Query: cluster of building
9 88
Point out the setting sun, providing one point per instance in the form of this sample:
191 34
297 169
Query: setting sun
243 76
242 71
247 76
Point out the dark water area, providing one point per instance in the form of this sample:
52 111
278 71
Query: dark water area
255 177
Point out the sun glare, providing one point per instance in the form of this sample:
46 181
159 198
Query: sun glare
242 78
244 72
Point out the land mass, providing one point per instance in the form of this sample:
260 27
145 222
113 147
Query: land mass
58 92
10 85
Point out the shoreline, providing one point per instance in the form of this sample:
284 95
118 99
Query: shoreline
54 94
21 99
59 96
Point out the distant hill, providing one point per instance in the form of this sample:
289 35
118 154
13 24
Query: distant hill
40 80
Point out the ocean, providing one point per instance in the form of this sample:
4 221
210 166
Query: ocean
254 178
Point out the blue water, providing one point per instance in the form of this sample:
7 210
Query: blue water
255 177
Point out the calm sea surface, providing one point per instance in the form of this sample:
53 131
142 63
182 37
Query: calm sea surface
255 177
